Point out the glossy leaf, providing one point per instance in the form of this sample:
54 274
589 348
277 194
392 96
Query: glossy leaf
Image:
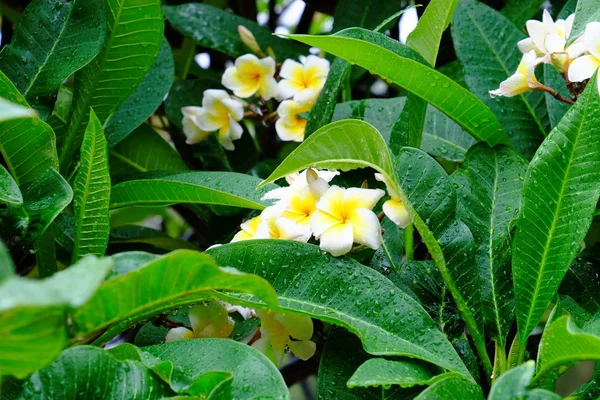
254 375
144 150
587 11
382 372
92 193
582 284
41 307
426 37
366 14
519 11
338 291
178 278
424 82
92 373
140 105
216 29
10 92
451 386
443 137
560 193
424 188
486 45
7 269
556 109
9 191
342 355
53 39
135 33
382 114
488 191
197 187
45 254
564 344
513 384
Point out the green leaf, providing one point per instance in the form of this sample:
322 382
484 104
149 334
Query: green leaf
92 193
513 385
382 372
323 110
424 188
381 113
582 284
342 355
197 187
53 39
488 191
366 14
418 79
564 344
254 375
45 254
144 150
452 386
10 92
130 234
443 137
339 291
560 193
7 269
92 373
216 29
142 103
135 34
178 278
486 45
587 11
519 11
426 37
556 108
9 191
33 314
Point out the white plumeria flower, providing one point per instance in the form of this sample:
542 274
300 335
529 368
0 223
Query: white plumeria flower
277 331
251 229
549 38
278 227
289 126
585 66
522 80
303 81
393 208
344 217
221 112
210 320
251 75
191 125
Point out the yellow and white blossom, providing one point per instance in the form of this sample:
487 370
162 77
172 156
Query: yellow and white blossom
303 81
277 332
522 80
251 75
271 225
209 320
220 112
585 66
191 125
251 229
344 217
298 181
548 38
393 208
290 126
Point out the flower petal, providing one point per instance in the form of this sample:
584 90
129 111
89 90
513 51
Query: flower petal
213 97
288 88
179 333
268 66
355 198
321 221
192 131
569 25
366 228
292 70
232 80
592 38
338 239
268 88
293 132
332 202
235 108
526 45
397 213
209 122
583 68
191 111
303 349
315 67
555 43
537 31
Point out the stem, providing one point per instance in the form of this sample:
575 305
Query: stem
554 94
499 361
409 242
186 56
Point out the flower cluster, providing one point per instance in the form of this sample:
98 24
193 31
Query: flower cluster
337 217
252 78
547 44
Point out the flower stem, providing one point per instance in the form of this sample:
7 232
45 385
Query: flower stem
554 94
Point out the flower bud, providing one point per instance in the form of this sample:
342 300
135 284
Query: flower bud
249 40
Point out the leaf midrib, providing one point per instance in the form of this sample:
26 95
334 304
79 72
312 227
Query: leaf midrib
553 225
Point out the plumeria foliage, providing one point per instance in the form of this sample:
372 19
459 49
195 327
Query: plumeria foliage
279 199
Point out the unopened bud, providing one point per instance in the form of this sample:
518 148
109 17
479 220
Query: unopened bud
311 175
249 40
365 185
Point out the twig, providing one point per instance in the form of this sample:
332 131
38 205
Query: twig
554 94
